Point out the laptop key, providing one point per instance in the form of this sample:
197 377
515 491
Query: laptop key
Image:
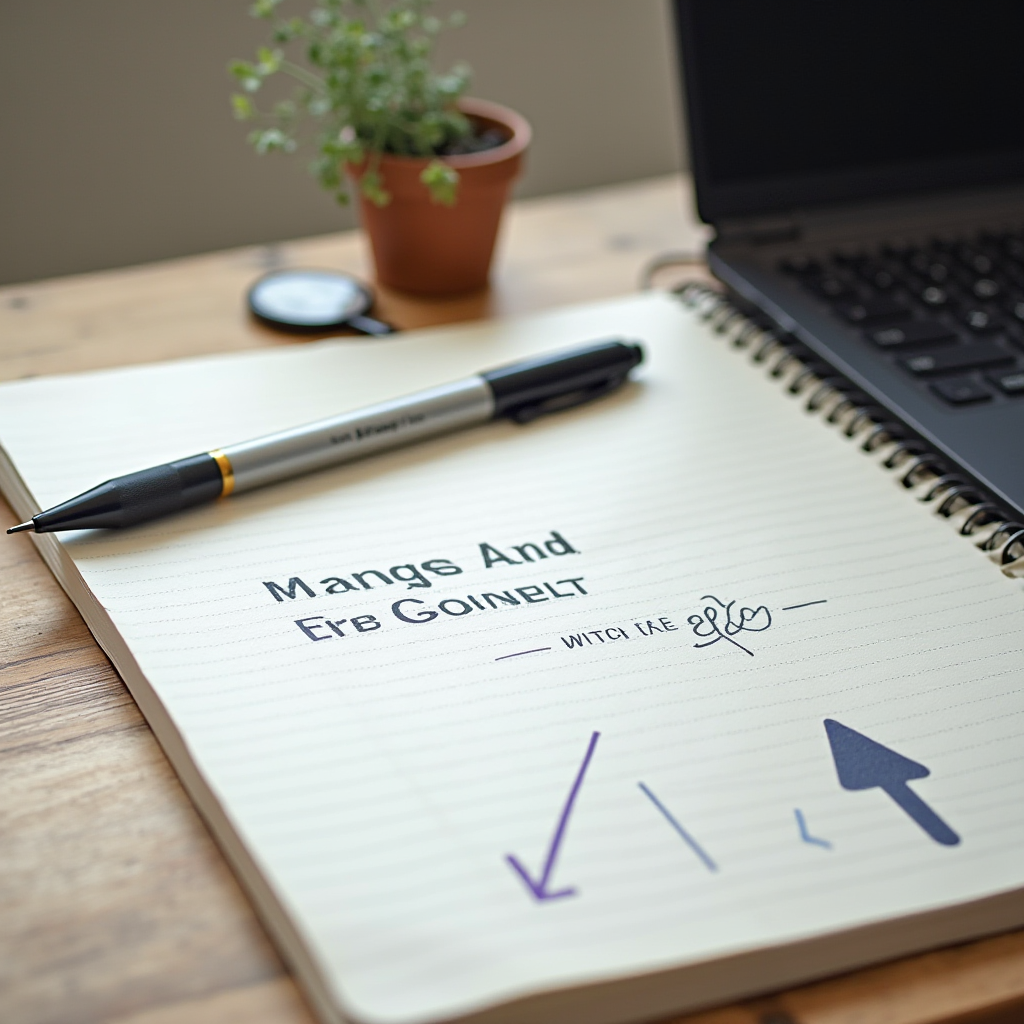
980 263
1014 247
1017 310
913 332
1013 273
1010 382
833 288
926 265
875 311
986 288
981 321
961 391
800 265
957 357
879 277
971 257
934 296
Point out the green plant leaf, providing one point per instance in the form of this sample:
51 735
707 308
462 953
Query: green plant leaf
264 8
248 77
372 187
362 69
243 108
272 140
269 60
442 182
328 172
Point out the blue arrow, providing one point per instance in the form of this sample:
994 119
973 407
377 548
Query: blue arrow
861 763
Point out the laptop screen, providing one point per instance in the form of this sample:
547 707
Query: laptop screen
797 103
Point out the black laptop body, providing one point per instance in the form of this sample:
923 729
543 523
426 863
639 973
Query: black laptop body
862 165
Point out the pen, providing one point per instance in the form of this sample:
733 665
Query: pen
521 392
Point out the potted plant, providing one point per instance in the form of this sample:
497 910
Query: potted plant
431 168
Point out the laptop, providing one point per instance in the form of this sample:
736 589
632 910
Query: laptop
862 165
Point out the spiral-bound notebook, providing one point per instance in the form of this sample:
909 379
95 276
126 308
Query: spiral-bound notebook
697 691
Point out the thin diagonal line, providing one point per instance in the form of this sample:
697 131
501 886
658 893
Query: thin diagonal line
519 653
806 604
686 837
556 842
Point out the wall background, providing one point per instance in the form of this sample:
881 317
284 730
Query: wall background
117 144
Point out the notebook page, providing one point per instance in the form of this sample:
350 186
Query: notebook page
566 761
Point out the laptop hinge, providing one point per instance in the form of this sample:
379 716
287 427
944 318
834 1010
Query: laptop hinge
759 230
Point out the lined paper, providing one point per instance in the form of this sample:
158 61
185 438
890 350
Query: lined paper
677 784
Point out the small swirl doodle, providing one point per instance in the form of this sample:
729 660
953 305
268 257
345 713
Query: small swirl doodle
721 620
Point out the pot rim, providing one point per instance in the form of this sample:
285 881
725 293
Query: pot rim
514 122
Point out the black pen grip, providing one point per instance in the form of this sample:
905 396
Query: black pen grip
534 382
137 497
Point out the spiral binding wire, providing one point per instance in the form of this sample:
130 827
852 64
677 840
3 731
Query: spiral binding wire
831 398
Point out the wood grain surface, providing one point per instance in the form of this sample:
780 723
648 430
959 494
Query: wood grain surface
115 904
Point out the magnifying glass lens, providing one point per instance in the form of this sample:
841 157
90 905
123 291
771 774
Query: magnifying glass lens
311 301
308 298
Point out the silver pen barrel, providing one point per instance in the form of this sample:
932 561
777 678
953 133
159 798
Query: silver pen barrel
521 392
349 436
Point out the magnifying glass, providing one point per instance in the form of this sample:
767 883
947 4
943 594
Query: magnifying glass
312 301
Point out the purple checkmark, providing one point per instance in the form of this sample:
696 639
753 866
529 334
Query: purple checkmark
539 887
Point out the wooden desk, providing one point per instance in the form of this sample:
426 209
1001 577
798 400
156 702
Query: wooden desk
115 905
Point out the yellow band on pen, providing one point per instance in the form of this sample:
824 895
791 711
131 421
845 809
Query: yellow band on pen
227 474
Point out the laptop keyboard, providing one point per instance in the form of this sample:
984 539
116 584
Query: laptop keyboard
949 313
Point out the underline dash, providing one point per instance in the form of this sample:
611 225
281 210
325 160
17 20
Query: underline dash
518 654
806 604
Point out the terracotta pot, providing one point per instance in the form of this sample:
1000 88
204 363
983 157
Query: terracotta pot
422 247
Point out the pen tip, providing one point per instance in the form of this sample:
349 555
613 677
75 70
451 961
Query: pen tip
22 526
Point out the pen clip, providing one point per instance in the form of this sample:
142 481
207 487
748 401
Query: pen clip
578 396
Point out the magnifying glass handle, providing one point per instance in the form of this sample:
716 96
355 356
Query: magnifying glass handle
368 325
